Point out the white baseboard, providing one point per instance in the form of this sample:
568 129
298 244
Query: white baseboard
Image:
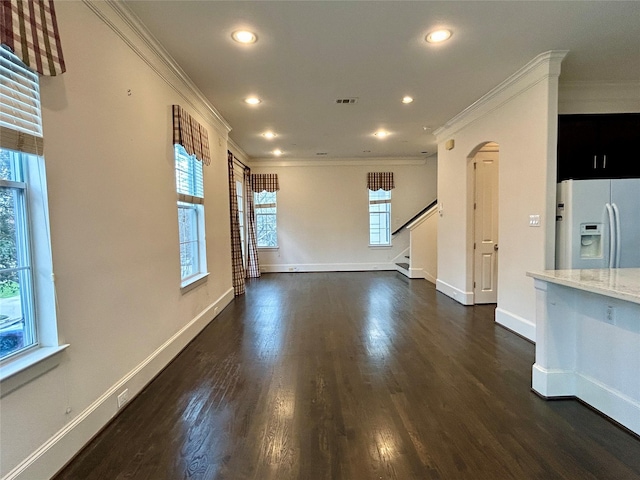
416 273
614 404
50 457
429 277
517 324
562 383
553 383
325 267
465 298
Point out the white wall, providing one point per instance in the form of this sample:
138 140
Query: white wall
323 221
424 247
586 97
114 237
521 116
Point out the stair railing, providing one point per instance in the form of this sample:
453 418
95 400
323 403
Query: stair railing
421 212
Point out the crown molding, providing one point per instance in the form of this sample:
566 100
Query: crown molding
117 16
598 97
544 66
335 162
237 151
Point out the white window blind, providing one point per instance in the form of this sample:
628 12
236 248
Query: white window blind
189 177
20 121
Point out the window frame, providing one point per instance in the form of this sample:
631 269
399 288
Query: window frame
23 255
240 194
387 231
190 192
21 125
28 363
258 208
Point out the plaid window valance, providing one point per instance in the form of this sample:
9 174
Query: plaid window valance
190 134
264 181
30 30
380 180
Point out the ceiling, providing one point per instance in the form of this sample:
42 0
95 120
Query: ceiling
310 53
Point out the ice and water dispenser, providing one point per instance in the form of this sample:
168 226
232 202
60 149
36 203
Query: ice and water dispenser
590 240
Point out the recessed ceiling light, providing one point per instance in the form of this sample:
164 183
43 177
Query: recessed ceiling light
407 99
244 36
269 135
381 134
277 152
438 36
252 100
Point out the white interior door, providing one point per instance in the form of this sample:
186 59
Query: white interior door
485 285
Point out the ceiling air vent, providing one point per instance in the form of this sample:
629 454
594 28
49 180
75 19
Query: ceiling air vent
347 100
321 153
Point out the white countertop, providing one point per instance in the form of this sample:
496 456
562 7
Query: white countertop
621 283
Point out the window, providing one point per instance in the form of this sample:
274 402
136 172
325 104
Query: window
239 199
266 226
190 188
379 217
27 316
17 321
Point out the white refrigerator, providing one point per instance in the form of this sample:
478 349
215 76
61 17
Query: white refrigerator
598 223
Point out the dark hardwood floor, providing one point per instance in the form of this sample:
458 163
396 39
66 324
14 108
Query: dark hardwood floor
354 376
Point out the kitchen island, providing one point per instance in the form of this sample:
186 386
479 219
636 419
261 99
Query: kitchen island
588 339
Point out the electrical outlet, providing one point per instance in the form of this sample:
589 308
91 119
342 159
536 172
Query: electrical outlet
123 397
610 315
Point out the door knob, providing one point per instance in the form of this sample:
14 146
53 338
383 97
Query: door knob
495 247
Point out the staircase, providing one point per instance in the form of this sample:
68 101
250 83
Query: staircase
419 260
403 267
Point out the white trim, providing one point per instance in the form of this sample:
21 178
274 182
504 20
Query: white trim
326 267
22 369
335 162
614 404
117 16
428 277
401 256
552 383
416 272
564 383
418 221
460 296
192 282
598 97
51 456
517 324
510 88
238 152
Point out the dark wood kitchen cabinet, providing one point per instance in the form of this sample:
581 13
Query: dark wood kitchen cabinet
599 146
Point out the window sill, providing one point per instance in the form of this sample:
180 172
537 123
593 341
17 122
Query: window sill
23 369
268 248
193 282
380 246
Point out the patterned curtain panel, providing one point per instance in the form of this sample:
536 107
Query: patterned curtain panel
265 181
30 30
191 135
380 180
253 266
236 247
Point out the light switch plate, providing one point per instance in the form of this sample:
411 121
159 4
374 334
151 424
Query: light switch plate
534 220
